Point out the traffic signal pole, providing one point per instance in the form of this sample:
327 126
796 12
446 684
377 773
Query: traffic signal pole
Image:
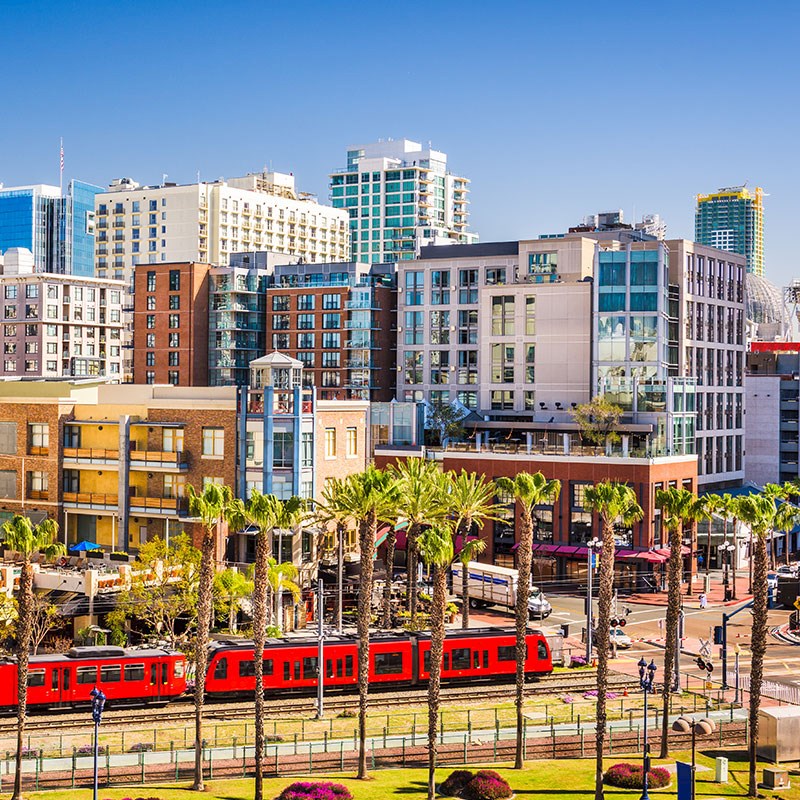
725 619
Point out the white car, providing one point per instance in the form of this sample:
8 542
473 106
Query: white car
788 571
618 637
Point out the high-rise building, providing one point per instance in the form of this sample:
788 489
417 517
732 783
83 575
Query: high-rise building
58 326
732 219
400 196
57 228
206 222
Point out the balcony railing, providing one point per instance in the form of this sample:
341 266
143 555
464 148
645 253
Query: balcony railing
155 458
38 451
167 505
90 499
38 494
90 455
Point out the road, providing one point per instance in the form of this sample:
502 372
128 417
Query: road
782 662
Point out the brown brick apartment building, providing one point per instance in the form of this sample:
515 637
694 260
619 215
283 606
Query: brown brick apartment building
170 324
560 552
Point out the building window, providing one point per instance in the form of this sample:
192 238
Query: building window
173 377
151 302
330 442
150 377
39 438
502 401
151 281
467 366
467 286
172 440
150 358
174 320
332 320
468 326
305 341
530 315
440 366
174 486
307 449
38 483
352 442
283 449
174 280
174 302
173 359
280 302
305 322
440 287
331 360
503 316
331 302
495 276
174 340
331 341
214 442
530 363
280 341
412 361
415 284
151 321
414 331
305 302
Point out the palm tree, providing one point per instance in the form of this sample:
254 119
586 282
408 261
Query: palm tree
419 504
231 588
471 501
214 506
530 491
266 512
328 511
22 536
613 502
436 549
368 498
679 507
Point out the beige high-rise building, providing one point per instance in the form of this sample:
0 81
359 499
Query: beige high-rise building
206 222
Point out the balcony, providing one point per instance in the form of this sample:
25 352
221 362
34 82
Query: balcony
106 502
166 506
37 494
159 460
77 456
38 451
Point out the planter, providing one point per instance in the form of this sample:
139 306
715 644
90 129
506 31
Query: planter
95 554
124 557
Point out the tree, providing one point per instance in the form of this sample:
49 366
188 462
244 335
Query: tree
163 588
25 538
419 504
679 507
44 618
446 420
470 498
529 491
267 512
598 420
214 506
613 502
368 498
231 589
436 549
329 512
281 577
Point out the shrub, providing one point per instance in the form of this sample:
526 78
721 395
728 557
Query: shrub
629 776
88 750
315 790
455 782
486 785
141 747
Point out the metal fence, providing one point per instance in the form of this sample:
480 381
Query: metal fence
781 692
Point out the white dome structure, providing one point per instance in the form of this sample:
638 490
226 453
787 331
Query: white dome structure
765 302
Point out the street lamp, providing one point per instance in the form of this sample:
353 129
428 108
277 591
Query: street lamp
592 546
98 703
727 548
646 674
703 726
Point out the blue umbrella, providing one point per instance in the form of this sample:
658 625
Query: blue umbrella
84 546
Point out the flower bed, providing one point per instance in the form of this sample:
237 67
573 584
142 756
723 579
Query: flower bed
315 790
484 785
629 776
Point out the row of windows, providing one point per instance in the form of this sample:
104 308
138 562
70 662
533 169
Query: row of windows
305 302
110 673
71 294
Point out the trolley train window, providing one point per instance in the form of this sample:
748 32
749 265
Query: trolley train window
460 657
286 669
507 653
388 663
310 667
486 659
134 672
86 675
542 650
268 668
164 673
36 677
247 669
446 661
476 659
297 670
54 679
221 669
348 666
111 673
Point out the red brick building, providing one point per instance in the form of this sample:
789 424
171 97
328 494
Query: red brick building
560 552
170 324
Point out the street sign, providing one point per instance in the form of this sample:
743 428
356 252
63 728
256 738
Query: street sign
797 603
705 647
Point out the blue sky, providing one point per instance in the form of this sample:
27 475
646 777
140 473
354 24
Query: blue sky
554 110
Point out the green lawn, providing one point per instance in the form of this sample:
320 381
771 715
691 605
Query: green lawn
563 779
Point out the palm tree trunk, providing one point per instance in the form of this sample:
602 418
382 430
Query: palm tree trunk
734 560
391 539
523 590
708 545
464 595
434 682
259 635
758 646
692 548
24 630
604 598
673 615
411 562
204 598
366 530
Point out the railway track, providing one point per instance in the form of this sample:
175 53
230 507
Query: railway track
334 702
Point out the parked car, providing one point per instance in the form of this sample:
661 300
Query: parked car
790 571
619 637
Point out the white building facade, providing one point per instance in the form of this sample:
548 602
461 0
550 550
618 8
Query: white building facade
206 222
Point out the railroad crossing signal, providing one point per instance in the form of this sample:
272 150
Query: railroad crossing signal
705 647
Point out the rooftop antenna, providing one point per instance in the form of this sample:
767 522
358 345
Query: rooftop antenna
198 176
163 178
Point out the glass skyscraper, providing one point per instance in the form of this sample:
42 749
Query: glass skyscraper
58 229
732 219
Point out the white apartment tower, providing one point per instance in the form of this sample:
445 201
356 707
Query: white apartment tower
399 197
206 222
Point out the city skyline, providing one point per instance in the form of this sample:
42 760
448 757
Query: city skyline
667 136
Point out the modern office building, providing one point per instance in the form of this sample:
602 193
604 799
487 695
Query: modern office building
399 197
170 324
522 332
58 228
732 219
206 222
58 326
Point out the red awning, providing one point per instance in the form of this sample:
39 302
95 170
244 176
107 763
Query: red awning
651 557
664 551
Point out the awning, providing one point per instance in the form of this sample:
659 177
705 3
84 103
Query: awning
382 533
664 551
650 557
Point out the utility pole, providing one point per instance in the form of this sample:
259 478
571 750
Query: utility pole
320 649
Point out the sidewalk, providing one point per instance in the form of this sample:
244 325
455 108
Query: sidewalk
716 594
